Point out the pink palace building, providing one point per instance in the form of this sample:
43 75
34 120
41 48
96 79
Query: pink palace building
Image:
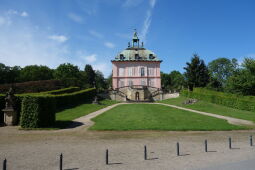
136 74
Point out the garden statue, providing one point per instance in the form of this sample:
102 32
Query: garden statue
9 99
10 115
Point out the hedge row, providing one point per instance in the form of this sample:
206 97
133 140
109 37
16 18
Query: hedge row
75 98
226 99
39 110
62 91
32 86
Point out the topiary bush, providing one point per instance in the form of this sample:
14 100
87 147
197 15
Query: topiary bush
37 111
226 99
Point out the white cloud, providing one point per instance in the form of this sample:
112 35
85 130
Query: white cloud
29 47
58 38
146 25
152 3
96 34
15 12
147 21
103 67
24 14
75 17
132 3
91 58
109 44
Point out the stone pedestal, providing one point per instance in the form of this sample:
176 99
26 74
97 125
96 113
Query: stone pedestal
10 117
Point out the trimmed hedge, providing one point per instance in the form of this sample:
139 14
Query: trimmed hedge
62 91
37 111
75 98
32 86
226 99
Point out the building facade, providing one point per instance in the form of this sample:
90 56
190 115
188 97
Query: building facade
136 73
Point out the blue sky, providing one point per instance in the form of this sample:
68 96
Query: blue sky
47 32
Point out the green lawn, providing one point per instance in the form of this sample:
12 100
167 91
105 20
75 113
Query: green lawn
213 108
66 116
157 117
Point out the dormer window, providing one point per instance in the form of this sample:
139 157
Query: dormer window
151 56
136 56
122 57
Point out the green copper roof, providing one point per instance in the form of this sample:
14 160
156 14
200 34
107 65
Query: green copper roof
136 53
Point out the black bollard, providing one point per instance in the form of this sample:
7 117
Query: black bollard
61 162
145 152
229 143
206 146
178 149
5 164
251 142
107 157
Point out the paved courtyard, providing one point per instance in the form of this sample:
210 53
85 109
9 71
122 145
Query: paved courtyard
83 149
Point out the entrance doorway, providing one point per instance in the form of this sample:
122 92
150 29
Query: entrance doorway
137 96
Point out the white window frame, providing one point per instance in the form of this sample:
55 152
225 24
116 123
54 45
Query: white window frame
121 71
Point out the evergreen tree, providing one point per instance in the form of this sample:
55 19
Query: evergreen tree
197 74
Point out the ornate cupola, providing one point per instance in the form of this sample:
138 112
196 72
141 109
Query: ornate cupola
135 40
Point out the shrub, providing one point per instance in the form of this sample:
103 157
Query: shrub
32 86
62 91
226 99
37 111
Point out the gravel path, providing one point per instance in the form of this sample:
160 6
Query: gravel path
85 150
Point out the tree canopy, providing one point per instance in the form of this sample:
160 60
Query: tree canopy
222 68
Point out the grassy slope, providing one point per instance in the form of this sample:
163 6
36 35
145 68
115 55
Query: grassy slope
213 108
82 110
156 117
